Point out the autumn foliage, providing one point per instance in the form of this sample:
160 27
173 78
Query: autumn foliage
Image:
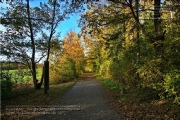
69 62
136 44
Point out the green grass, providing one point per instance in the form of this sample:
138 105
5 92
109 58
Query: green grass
136 95
109 83
23 76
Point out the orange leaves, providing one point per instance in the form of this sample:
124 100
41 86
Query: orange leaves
72 47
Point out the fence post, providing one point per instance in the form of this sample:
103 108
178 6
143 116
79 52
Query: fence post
46 76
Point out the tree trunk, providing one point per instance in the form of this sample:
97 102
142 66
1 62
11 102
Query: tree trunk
157 27
49 45
32 46
159 36
137 32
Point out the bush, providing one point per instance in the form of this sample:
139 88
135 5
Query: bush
6 85
150 74
172 85
124 73
62 71
104 68
116 72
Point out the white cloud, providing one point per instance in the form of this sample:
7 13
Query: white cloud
2 28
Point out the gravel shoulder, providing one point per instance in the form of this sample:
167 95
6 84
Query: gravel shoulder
84 101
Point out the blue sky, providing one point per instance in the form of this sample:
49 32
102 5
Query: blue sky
68 25
64 27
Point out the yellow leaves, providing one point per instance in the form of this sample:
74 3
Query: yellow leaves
72 47
129 42
88 13
165 16
161 102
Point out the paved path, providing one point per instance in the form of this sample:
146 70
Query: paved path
87 95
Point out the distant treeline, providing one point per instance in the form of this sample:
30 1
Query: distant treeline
9 65
14 65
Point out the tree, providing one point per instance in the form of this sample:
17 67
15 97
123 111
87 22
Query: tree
30 23
136 48
69 62
73 50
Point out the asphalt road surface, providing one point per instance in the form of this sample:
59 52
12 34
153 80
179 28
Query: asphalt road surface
84 101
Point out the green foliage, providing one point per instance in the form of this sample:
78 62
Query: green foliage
109 83
123 69
172 85
9 65
150 73
6 85
12 79
104 68
116 71
143 56
21 76
62 71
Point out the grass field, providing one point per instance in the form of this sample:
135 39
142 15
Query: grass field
12 80
22 76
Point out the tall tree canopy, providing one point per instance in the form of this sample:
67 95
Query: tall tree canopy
133 41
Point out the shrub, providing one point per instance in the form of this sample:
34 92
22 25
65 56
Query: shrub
6 85
62 71
172 85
